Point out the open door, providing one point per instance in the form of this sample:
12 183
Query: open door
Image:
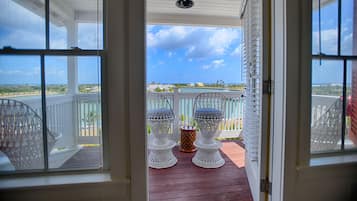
258 91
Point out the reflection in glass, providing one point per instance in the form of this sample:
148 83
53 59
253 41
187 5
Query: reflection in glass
76 24
22 24
326 105
21 144
328 23
348 28
351 92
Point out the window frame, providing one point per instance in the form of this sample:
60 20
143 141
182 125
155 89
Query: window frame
124 97
335 57
42 53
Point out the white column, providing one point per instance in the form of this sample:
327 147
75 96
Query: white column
72 68
72 83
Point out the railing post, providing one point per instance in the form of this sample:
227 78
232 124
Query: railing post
76 119
176 108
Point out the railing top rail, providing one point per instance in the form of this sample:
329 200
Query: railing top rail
194 94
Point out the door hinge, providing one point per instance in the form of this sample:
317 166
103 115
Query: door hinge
265 186
267 87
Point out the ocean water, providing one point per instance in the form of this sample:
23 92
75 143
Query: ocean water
200 90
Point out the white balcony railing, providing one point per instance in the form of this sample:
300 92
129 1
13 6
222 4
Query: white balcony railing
182 104
78 117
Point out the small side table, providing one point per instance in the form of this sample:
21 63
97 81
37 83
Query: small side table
188 137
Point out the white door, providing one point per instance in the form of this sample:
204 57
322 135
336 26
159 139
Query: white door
257 97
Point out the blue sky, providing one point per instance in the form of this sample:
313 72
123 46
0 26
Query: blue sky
331 71
175 54
184 54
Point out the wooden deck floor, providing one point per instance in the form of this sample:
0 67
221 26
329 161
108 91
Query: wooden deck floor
185 181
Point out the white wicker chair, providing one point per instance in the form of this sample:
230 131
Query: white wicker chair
160 117
21 135
208 112
326 131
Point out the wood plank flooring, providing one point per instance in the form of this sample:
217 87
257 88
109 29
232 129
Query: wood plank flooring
186 182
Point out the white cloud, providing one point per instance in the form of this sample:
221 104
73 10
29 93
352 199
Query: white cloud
197 42
221 39
237 51
214 64
23 39
329 41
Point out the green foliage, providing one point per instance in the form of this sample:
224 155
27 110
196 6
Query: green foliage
91 117
9 90
148 129
182 117
89 88
158 89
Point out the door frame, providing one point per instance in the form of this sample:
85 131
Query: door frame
258 171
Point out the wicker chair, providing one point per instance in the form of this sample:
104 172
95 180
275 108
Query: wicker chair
326 131
160 117
208 112
21 135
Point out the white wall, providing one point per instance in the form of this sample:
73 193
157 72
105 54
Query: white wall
124 141
298 179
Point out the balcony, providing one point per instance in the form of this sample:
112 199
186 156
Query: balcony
78 119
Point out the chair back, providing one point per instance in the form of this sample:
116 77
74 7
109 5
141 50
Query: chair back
21 135
326 130
209 101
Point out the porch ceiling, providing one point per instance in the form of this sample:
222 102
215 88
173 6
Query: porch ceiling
66 11
204 12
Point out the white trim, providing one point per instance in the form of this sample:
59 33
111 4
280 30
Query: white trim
251 168
96 187
119 149
136 102
45 181
192 19
279 105
333 160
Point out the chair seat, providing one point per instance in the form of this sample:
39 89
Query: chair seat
208 113
160 114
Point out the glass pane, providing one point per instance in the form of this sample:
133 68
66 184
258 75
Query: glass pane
73 118
328 24
348 28
58 37
22 24
21 145
76 23
351 106
315 28
326 105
